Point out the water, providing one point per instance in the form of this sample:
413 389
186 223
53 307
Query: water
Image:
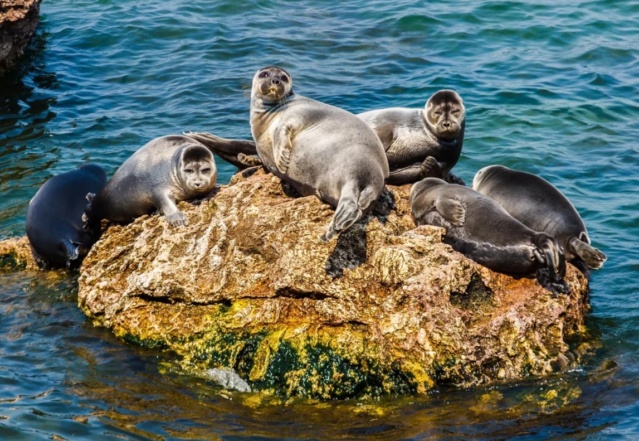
549 87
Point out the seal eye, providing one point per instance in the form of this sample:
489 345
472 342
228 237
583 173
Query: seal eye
455 112
206 170
188 171
284 79
264 74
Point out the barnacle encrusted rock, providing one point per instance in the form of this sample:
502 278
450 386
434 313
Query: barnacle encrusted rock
387 308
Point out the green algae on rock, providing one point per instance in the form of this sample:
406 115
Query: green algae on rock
387 308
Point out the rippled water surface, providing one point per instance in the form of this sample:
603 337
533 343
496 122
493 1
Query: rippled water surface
549 87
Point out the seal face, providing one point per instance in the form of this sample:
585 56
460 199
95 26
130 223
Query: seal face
317 148
411 136
481 229
540 206
54 217
163 172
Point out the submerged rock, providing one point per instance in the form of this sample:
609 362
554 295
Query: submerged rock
386 308
18 22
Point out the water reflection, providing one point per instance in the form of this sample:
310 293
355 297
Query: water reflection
26 100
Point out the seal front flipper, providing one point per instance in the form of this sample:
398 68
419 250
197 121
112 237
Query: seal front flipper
591 256
167 207
282 147
430 168
405 175
452 210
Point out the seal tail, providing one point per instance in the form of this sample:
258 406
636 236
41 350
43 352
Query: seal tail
592 257
549 253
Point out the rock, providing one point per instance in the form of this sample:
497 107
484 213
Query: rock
15 254
386 308
18 22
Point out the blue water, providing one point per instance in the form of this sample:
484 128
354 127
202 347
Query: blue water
549 87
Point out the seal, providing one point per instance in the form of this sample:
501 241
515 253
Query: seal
481 229
54 217
163 172
317 148
540 206
411 136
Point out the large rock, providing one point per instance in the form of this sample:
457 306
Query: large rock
18 22
387 308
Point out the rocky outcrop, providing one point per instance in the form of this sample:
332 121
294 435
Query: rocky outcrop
15 254
18 22
387 308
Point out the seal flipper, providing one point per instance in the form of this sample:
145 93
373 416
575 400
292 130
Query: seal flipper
282 147
71 250
431 168
451 210
591 256
169 209
242 154
549 253
346 214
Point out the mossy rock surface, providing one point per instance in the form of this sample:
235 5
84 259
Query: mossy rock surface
387 308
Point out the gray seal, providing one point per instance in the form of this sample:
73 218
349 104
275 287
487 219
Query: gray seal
421 143
481 229
317 148
540 206
54 217
163 172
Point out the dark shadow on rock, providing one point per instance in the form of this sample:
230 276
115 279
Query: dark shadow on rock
350 251
477 294
383 206
289 191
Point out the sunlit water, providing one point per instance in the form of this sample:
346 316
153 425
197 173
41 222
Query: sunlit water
549 87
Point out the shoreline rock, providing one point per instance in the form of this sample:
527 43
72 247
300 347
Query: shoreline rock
18 22
387 308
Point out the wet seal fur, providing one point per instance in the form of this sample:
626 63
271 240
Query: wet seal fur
317 148
163 172
412 136
54 218
482 230
540 206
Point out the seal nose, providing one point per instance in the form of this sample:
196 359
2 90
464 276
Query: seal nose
446 124
275 81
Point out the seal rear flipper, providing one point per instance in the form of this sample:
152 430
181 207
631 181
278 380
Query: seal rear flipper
549 253
217 144
591 256
346 214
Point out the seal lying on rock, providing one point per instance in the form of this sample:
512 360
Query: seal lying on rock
540 206
167 170
481 229
54 218
410 136
317 148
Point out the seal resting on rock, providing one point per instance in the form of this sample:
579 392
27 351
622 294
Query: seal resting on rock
163 172
317 148
482 230
540 206
54 217
411 136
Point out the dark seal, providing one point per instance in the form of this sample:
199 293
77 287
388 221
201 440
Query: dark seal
540 206
421 143
54 218
482 230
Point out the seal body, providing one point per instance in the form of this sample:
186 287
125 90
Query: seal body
540 206
317 148
163 172
54 218
411 136
481 229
